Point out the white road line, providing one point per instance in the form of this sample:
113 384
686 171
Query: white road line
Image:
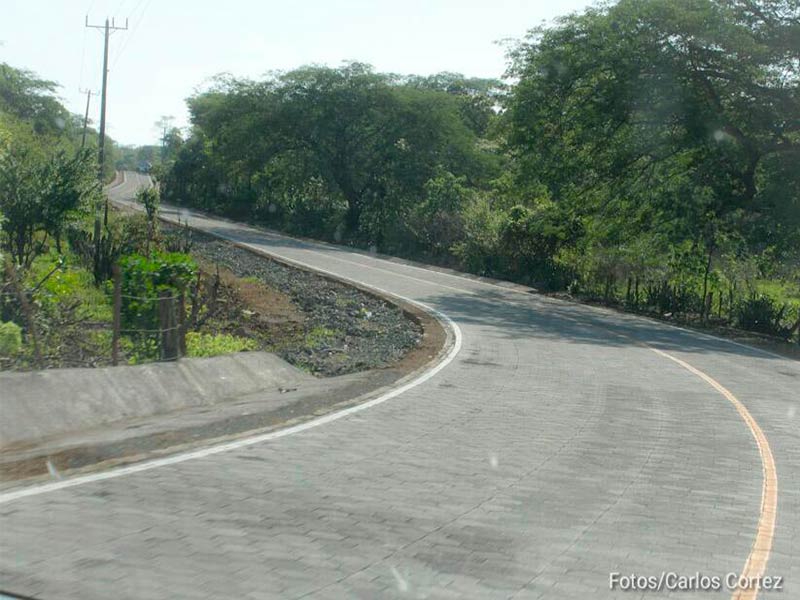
243 443
767 513
755 564
526 292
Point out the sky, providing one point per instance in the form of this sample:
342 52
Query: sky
173 47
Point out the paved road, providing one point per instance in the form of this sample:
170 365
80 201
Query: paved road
550 452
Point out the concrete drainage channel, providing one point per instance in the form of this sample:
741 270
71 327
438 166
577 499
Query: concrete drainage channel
66 422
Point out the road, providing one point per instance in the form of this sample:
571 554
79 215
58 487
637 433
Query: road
559 444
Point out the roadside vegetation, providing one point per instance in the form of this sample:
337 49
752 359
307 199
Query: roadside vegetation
320 325
643 154
66 257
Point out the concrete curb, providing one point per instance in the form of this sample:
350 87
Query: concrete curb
42 404
37 414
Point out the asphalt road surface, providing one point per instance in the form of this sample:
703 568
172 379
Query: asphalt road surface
559 444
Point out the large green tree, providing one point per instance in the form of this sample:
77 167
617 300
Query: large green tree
678 116
45 178
359 144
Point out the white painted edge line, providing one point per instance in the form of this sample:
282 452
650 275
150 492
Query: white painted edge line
312 244
762 544
147 465
315 247
529 293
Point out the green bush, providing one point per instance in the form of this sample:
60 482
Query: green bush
149 198
762 314
65 291
144 279
477 252
208 344
10 339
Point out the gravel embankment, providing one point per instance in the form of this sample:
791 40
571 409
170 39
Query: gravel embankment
346 330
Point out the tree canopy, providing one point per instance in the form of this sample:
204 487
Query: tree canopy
679 120
318 140
45 176
644 142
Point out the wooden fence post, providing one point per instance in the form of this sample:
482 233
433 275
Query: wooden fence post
166 324
195 301
96 240
212 303
117 318
182 324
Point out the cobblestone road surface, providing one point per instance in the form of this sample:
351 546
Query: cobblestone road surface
549 453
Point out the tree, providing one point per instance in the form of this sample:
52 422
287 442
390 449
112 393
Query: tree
27 98
670 117
44 177
662 109
39 190
368 142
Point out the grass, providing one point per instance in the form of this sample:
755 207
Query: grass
782 292
10 339
320 336
210 344
344 302
64 283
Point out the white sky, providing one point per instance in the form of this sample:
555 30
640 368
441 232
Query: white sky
173 46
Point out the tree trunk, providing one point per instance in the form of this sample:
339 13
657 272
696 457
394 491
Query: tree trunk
706 307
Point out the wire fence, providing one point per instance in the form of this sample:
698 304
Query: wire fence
154 326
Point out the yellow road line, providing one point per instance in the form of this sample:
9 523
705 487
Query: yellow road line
756 564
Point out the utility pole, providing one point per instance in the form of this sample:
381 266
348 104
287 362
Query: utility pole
108 28
86 115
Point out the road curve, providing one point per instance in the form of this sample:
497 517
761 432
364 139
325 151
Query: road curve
561 444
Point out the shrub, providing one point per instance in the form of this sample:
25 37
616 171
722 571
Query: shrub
208 344
125 234
151 201
65 292
477 252
762 314
10 339
144 279
437 223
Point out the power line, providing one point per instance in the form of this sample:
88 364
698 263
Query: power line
138 22
83 57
